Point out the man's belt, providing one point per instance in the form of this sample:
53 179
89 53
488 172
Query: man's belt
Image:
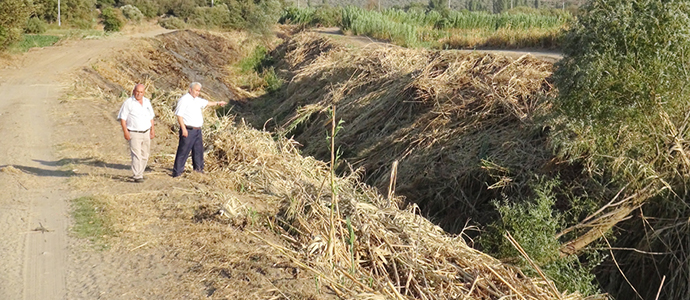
191 128
139 131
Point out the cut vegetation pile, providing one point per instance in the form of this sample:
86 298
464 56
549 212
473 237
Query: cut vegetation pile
352 241
461 125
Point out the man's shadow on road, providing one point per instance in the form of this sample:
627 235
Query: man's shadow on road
56 172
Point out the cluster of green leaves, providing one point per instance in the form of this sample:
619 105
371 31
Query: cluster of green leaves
258 71
623 93
534 224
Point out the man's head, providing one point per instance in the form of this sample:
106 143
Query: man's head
138 91
195 89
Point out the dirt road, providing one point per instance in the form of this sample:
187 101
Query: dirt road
33 197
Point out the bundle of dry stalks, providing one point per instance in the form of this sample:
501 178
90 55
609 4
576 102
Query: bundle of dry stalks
378 248
378 251
454 121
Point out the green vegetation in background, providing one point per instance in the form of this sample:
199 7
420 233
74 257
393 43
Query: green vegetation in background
622 114
35 26
172 23
325 16
91 221
443 28
254 16
132 13
13 16
113 20
73 13
492 6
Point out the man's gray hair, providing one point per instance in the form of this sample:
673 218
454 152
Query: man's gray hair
193 84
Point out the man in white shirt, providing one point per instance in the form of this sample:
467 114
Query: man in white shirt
190 118
136 117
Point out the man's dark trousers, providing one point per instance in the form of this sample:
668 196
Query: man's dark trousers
192 143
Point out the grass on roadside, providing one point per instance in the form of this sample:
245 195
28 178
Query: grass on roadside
36 40
92 221
54 35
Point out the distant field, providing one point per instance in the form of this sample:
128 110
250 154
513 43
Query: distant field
526 28
485 5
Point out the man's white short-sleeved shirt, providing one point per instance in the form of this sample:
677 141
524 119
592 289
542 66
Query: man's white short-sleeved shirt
189 108
138 116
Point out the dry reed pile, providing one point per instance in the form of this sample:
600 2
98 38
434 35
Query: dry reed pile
454 121
378 251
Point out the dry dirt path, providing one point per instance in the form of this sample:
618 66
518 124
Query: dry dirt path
33 197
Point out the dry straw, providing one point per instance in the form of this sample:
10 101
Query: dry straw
454 121
379 250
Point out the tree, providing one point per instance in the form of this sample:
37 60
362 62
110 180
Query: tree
622 112
71 10
13 16
113 20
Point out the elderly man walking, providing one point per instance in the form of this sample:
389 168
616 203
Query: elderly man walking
136 117
189 116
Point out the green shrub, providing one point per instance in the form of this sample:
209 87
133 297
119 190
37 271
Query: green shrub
149 8
261 17
172 23
533 223
35 25
273 82
132 12
183 8
255 61
81 23
211 17
113 20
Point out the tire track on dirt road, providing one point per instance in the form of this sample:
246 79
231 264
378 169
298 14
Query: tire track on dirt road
33 197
